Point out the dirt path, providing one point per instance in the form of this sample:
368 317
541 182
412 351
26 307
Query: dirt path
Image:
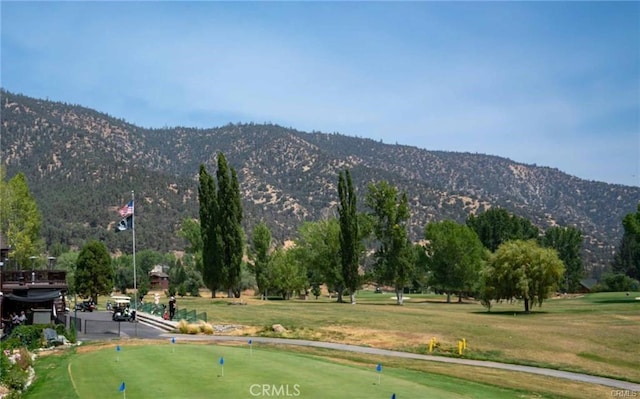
568 375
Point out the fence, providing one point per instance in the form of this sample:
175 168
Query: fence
190 316
94 327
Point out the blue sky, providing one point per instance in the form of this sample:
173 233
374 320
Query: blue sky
551 83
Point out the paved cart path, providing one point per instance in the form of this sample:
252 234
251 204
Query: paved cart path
617 384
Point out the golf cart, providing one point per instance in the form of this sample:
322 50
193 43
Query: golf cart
86 306
121 309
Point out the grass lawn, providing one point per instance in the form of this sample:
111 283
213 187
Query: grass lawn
595 333
165 370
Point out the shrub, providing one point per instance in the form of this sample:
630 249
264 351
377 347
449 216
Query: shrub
13 376
28 336
4 362
617 282
206 328
60 329
24 360
193 329
194 290
72 337
183 326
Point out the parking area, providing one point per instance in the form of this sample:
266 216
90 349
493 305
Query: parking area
98 325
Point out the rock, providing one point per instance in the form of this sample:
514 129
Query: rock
278 328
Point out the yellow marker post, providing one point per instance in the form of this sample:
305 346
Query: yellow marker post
464 344
459 347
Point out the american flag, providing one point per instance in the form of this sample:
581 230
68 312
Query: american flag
126 210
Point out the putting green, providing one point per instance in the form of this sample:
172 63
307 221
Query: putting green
212 371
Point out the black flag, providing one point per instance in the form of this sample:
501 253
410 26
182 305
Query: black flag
125 224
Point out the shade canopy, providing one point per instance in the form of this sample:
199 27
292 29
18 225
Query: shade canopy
35 296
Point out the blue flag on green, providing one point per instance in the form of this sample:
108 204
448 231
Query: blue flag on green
122 387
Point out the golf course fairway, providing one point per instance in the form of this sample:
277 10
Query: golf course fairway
189 371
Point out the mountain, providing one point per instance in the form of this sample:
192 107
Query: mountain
82 165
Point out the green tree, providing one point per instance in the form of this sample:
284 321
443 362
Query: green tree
627 258
123 272
395 261
420 280
496 226
567 241
617 282
20 220
456 256
67 261
287 274
318 247
146 260
261 256
94 274
229 220
192 282
524 271
349 234
190 231
212 266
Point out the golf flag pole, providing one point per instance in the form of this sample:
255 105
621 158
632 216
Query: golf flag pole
250 348
221 361
123 390
379 370
135 280
173 341
118 352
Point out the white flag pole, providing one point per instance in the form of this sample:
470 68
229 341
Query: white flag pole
135 280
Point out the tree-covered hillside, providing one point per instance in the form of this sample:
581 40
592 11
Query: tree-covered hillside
81 165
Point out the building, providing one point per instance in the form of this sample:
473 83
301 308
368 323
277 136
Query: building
158 279
40 293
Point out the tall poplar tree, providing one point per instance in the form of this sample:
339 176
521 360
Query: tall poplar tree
212 271
349 234
229 219
261 257
395 257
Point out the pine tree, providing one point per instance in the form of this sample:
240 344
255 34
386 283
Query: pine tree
94 274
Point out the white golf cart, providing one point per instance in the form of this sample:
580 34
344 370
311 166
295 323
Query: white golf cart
122 308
